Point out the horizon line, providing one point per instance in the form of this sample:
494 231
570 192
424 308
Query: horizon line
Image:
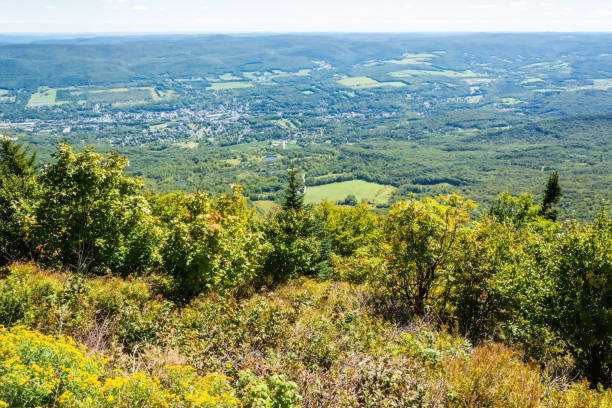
226 32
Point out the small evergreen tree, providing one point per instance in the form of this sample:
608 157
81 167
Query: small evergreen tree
14 159
350 200
296 235
552 195
294 199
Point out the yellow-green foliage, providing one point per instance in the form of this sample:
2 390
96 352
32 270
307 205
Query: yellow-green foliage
322 340
494 376
39 370
125 309
349 228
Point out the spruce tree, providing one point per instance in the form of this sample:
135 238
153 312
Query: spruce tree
552 195
294 198
14 159
297 237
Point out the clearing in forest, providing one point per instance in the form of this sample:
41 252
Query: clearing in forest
373 193
221 86
363 82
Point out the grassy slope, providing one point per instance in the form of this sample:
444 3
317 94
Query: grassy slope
371 192
323 335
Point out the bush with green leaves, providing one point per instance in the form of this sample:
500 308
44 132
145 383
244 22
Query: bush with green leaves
348 228
491 278
272 392
422 237
577 301
18 193
91 217
210 243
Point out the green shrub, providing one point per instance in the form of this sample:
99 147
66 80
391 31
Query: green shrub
272 392
422 237
212 244
91 217
18 193
577 302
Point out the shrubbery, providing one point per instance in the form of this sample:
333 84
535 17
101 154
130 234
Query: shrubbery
211 244
318 341
38 370
90 216
155 281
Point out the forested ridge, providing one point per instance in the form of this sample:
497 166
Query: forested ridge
113 295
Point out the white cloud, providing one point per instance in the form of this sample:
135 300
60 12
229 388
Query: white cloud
140 7
602 12
519 3
483 6
50 7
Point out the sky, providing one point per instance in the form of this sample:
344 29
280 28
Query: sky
205 16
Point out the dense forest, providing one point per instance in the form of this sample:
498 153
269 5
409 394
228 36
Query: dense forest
115 295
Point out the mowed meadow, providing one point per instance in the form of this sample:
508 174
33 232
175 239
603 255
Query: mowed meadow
372 193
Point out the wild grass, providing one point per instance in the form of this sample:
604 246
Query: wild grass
362 190
325 336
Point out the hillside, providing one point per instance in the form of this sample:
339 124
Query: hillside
111 295
325 337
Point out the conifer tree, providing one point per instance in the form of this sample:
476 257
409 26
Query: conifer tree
552 195
14 159
294 198
297 237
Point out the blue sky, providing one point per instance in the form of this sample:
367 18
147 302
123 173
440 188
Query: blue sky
70 16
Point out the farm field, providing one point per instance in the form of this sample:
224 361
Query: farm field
44 97
411 59
373 193
366 82
264 206
117 97
5 96
221 86
445 73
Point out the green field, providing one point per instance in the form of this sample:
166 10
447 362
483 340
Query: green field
598 85
285 124
531 81
264 206
363 82
510 101
44 97
220 86
228 76
118 97
422 72
5 96
372 192
412 59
